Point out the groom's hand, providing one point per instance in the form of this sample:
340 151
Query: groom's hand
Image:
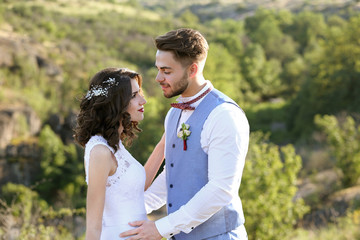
146 230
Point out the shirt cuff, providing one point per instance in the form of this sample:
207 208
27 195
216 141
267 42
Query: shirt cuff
165 228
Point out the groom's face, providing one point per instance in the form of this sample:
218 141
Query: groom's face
172 76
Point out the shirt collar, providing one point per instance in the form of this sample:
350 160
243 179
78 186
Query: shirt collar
195 104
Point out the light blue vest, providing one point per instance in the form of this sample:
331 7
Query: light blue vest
187 171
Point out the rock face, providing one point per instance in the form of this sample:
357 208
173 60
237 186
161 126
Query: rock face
19 162
15 48
63 126
17 122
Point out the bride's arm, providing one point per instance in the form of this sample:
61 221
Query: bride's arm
153 164
100 166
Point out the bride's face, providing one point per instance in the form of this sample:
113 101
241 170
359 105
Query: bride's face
136 105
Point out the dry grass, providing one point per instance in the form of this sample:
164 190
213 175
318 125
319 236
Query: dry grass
81 7
347 228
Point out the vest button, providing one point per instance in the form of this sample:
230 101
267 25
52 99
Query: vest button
173 145
171 165
170 205
171 186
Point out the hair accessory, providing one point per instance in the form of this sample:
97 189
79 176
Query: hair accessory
99 90
110 81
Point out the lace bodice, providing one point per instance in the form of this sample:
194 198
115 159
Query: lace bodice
124 197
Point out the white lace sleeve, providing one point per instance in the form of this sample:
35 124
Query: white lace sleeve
94 140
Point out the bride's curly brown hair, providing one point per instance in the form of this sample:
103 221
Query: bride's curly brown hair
101 114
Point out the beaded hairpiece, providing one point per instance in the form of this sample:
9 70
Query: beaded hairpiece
98 90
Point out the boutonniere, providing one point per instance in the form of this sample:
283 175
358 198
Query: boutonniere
184 133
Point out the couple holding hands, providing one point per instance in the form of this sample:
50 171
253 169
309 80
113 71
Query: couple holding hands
205 144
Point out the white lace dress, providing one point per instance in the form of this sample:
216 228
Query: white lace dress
124 197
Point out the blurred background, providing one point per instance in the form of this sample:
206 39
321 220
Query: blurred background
293 66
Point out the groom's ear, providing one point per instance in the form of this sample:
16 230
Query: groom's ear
193 69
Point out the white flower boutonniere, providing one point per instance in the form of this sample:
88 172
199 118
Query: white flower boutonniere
184 133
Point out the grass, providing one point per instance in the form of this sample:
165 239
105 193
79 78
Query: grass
78 7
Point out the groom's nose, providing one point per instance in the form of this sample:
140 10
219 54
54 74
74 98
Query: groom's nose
159 77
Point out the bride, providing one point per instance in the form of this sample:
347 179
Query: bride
109 115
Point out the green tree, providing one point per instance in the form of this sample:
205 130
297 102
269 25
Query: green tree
189 18
262 75
294 74
332 85
223 71
228 33
307 28
268 188
62 178
264 28
343 138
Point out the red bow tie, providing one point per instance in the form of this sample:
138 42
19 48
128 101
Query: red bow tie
186 105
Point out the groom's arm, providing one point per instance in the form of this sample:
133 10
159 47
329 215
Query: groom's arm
155 196
153 164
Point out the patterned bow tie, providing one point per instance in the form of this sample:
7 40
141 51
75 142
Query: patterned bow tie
186 105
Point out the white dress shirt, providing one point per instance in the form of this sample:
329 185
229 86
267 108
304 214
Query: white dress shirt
225 138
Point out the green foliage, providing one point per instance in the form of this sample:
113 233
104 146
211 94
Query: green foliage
23 209
229 33
294 74
304 58
269 117
24 200
62 177
307 27
262 75
189 19
222 70
264 28
333 84
344 140
2 9
53 155
22 126
268 189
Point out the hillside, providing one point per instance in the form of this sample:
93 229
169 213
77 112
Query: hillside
240 9
293 66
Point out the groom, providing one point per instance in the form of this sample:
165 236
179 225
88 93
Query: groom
205 156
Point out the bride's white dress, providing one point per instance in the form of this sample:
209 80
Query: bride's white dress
124 197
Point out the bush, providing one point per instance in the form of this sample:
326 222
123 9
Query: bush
24 215
344 141
62 179
268 189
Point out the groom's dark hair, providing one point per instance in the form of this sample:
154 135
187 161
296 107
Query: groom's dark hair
188 45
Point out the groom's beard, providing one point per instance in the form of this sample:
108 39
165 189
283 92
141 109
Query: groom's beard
179 87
